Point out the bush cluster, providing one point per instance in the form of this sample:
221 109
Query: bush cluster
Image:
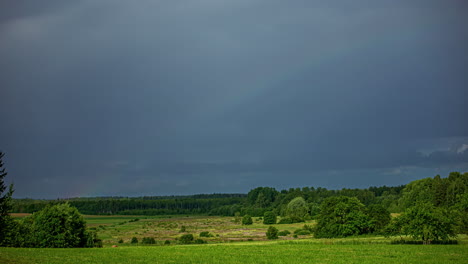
206 234
283 233
148 240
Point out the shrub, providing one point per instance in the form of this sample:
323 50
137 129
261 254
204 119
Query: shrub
302 232
148 240
183 229
199 241
284 233
285 220
272 233
92 239
205 234
247 220
58 226
237 218
120 241
269 218
186 239
290 220
134 240
167 242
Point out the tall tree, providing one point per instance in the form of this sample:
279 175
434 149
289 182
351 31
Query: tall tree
5 204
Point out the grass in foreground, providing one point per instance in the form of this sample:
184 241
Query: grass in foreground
253 252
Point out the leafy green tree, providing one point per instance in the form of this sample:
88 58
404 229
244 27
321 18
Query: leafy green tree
461 209
6 223
272 233
134 240
297 209
380 216
59 226
417 191
247 220
342 216
427 223
269 218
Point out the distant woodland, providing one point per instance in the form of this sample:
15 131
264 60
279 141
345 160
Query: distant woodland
446 192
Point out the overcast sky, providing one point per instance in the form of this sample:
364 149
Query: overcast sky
106 97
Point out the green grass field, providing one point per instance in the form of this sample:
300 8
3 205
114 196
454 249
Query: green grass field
247 252
231 243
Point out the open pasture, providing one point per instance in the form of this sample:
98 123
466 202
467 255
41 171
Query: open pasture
303 251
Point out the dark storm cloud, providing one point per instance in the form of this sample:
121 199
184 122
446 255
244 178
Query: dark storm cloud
171 97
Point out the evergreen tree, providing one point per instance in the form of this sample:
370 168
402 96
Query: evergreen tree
5 206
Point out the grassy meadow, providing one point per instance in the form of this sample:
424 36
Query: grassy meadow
230 243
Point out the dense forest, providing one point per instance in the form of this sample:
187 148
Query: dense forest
440 192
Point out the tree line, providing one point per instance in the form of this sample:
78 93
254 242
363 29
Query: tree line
255 203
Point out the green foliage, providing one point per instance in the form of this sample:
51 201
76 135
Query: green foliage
424 222
302 232
305 230
186 239
461 207
167 242
297 209
237 217
92 239
269 218
262 197
285 220
342 216
205 234
120 241
272 232
199 241
183 229
441 192
134 240
58 226
148 240
380 217
283 233
247 220
6 223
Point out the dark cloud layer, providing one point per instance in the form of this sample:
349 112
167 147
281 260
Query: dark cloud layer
178 97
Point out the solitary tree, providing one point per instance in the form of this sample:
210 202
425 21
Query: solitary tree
342 216
272 233
425 222
58 226
5 205
297 209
